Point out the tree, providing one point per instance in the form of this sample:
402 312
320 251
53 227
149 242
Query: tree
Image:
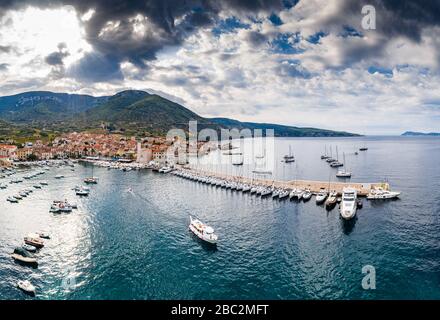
32 157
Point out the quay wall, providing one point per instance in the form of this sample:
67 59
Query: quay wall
362 188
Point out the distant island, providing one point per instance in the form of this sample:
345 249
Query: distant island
130 112
420 134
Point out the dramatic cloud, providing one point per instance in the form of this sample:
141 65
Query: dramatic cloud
292 62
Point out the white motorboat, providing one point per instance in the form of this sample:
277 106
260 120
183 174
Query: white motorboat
44 183
307 195
26 287
321 196
81 191
203 231
381 194
348 203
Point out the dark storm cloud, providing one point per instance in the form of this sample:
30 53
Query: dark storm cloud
56 58
169 23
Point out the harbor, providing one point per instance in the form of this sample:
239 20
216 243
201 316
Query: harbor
143 215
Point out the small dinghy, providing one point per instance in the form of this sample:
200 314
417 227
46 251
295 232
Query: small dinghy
26 287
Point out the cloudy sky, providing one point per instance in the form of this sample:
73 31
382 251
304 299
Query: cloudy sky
304 63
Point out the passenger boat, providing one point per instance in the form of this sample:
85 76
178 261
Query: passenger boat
349 203
203 231
26 287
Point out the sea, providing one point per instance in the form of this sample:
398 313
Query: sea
129 238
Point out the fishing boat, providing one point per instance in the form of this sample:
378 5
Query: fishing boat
321 196
349 203
26 287
203 231
381 194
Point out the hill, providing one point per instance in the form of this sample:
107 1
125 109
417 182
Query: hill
131 111
420 134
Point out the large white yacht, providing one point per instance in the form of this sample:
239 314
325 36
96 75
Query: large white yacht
203 231
349 203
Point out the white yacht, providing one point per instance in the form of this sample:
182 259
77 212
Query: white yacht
203 231
381 194
349 203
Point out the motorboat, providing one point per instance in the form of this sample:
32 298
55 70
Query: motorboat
307 195
34 240
44 235
203 231
349 203
61 206
18 197
321 196
382 194
91 180
24 256
29 248
37 186
363 149
81 191
331 200
59 176
44 183
26 287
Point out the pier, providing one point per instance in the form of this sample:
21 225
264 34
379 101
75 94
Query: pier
363 189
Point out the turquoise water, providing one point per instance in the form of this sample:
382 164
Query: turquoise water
123 244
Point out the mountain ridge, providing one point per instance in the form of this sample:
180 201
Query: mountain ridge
420 134
129 111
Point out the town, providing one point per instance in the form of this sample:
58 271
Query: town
155 150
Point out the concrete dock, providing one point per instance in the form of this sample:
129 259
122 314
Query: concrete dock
362 188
